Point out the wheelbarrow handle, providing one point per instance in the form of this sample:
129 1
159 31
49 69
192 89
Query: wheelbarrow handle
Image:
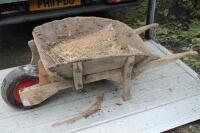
144 28
162 61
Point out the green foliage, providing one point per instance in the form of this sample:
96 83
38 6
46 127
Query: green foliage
137 17
175 33
189 4
177 37
165 5
192 62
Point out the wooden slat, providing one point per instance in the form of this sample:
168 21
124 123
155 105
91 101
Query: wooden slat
144 28
37 93
127 72
162 61
78 75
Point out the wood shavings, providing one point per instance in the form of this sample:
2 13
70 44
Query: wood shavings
96 45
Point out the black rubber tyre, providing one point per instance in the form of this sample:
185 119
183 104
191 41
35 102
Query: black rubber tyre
15 77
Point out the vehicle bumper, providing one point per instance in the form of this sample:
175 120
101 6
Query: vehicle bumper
60 13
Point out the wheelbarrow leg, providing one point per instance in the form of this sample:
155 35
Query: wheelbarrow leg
34 51
127 70
78 75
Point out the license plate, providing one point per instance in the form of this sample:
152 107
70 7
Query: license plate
37 5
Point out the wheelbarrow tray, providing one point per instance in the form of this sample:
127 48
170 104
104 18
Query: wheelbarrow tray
50 35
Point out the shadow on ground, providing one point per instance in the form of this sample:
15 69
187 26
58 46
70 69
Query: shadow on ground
14 50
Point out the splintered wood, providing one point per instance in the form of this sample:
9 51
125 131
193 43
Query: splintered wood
85 114
96 45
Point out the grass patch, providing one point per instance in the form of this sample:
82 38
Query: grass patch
179 25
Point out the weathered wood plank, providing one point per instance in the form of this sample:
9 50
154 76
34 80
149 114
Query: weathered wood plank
144 28
78 75
34 52
127 73
39 93
162 61
44 77
125 42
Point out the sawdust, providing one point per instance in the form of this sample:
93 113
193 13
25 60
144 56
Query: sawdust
96 45
85 114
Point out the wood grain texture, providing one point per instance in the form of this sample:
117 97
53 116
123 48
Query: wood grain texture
145 28
44 77
73 30
127 73
37 93
35 55
162 61
78 75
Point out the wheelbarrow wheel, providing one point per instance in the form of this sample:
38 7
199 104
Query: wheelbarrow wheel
17 80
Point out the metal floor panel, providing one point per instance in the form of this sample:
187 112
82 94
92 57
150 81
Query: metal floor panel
162 98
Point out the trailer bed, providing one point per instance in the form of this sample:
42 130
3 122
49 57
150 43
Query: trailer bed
162 98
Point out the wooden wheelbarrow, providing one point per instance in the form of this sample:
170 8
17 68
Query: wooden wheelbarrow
75 51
